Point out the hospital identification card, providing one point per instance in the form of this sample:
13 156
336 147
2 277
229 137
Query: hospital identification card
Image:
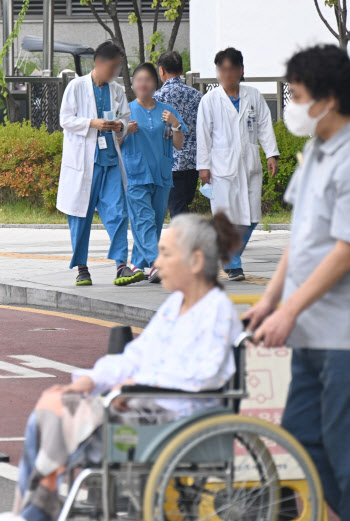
102 143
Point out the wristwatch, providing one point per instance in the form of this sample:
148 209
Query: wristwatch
176 129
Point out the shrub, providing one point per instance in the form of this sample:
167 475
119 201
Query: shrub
30 163
273 188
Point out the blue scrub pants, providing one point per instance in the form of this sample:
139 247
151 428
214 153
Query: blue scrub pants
317 413
147 206
108 196
246 233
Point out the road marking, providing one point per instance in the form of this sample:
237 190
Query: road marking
9 471
38 362
39 256
19 371
89 320
12 439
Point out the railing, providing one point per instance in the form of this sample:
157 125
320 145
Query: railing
277 101
38 98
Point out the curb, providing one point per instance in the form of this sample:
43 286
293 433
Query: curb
29 294
260 227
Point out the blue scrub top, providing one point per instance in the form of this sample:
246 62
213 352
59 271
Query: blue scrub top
147 155
235 101
107 156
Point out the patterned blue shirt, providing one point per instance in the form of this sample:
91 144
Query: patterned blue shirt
185 100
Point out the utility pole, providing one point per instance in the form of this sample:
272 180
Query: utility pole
48 18
7 16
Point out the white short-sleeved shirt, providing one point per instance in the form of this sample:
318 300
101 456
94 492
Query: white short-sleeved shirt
192 352
320 194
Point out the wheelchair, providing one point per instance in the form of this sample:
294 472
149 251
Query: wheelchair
214 465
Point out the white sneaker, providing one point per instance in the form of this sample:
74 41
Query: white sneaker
10 516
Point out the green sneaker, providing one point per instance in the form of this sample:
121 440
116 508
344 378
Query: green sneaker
127 276
83 278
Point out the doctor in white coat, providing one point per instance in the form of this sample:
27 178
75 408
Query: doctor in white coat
94 114
232 119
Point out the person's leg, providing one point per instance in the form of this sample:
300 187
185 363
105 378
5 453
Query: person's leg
246 233
335 402
303 416
80 227
191 182
112 209
143 225
160 199
177 196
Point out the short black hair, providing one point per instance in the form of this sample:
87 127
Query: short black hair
171 61
108 50
233 55
325 71
149 67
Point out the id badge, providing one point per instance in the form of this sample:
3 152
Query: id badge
102 143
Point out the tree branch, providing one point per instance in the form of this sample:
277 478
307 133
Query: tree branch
329 27
100 21
140 31
176 25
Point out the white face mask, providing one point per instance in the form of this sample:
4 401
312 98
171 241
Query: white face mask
298 121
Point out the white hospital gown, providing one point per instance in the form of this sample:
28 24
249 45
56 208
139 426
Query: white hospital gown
191 352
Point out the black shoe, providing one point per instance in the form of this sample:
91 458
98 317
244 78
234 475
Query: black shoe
236 274
126 276
83 278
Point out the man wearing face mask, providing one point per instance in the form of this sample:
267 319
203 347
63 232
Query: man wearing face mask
313 277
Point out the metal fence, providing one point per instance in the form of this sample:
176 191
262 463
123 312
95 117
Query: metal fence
38 99
276 101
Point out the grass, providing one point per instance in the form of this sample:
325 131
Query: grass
21 212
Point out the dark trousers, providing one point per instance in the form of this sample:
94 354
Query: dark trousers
317 413
183 191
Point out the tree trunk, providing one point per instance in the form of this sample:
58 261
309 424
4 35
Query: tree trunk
140 31
155 22
176 26
13 108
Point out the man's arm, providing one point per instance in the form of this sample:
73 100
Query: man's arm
271 297
266 135
204 140
68 114
276 328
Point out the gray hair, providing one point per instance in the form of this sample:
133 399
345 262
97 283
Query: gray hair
194 233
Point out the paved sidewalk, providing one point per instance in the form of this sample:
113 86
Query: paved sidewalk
34 271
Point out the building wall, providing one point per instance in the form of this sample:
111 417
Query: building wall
266 31
89 32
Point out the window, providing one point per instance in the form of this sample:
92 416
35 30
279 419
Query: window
75 9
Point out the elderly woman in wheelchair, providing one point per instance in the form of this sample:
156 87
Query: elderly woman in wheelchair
170 446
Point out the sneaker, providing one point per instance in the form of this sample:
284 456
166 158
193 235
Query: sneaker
236 274
153 276
83 278
127 276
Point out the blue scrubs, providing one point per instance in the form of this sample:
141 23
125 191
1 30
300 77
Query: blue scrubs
107 195
148 161
235 101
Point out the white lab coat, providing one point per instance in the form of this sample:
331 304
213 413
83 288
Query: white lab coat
230 151
79 142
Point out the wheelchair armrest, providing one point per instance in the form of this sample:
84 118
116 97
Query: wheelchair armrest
139 388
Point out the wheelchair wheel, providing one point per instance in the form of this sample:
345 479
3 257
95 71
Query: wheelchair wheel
233 468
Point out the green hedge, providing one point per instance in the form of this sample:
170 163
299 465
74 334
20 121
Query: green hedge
30 164
273 189
31 158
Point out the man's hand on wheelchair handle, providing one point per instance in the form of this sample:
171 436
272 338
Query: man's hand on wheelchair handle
276 328
256 314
